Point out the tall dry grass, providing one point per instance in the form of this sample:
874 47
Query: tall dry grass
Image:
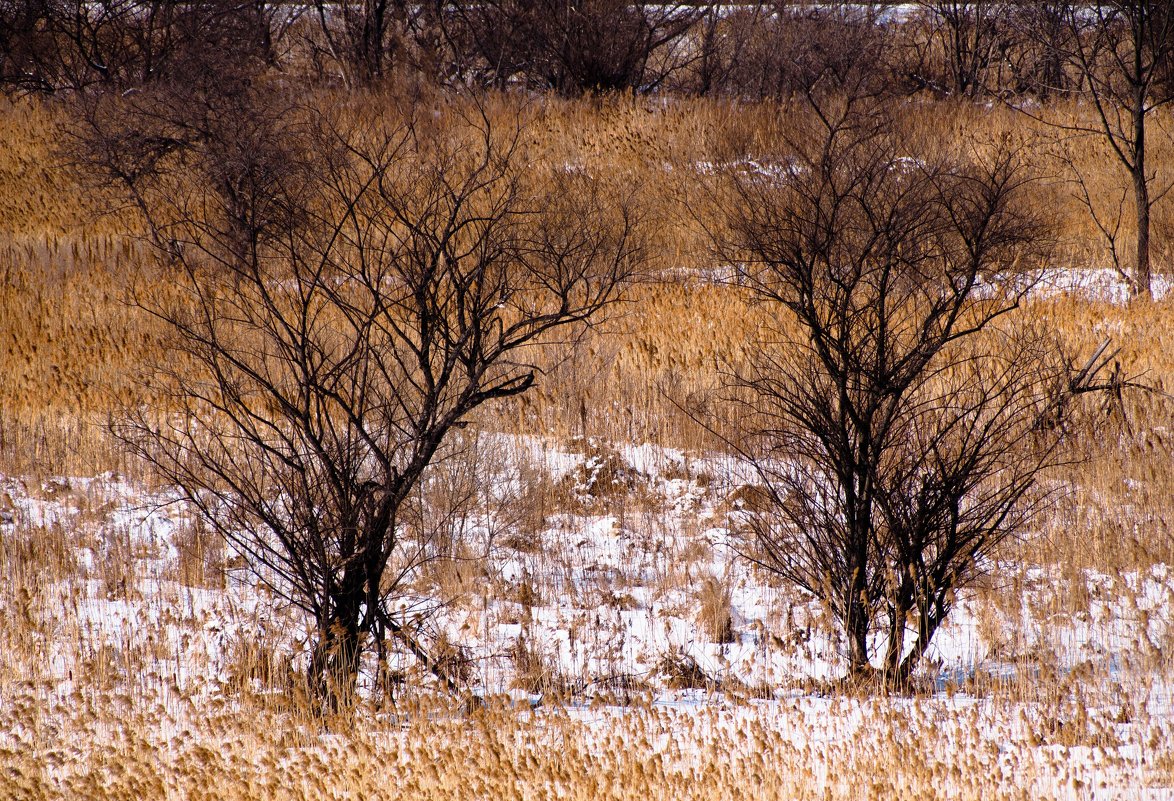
83 716
72 351
918 750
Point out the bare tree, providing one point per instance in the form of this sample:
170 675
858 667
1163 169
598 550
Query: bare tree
22 47
720 41
590 46
778 51
895 413
368 41
1123 52
1033 49
54 45
963 43
346 295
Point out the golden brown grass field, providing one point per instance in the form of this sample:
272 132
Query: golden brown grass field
101 710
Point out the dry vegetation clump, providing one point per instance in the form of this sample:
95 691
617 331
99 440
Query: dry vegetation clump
600 479
535 670
714 617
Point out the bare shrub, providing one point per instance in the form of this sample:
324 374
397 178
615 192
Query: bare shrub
896 416
591 46
368 41
795 48
961 47
123 44
349 294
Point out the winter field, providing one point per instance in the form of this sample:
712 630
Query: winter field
589 593
622 648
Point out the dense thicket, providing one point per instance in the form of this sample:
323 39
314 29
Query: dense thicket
970 50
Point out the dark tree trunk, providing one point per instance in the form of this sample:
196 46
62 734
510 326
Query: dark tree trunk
858 665
1141 195
334 664
928 624
859 621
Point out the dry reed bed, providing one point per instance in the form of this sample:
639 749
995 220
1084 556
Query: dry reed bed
72 352
104 747
67 268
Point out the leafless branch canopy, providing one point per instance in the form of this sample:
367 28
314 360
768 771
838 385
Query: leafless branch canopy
347 294
895 417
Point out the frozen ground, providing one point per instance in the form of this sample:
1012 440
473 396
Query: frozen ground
616 580
1103 284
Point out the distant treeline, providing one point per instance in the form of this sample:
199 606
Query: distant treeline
973 49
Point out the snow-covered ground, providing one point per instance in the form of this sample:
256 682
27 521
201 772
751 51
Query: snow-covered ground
1100 285
616 590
